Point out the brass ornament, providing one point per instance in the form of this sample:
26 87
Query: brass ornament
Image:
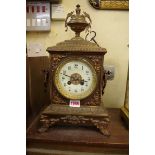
95 99
77 21
102 124
55 59
86 115
91 111
97 62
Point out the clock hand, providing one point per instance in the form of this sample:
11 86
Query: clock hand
69 82
84 80
66 75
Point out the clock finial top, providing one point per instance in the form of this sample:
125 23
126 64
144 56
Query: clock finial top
77 21
78 10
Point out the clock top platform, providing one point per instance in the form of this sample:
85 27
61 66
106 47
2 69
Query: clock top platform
76 44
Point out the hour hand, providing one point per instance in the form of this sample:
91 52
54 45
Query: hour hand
66 75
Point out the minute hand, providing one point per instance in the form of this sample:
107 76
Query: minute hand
84 80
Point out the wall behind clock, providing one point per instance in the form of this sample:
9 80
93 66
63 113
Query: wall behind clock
112 33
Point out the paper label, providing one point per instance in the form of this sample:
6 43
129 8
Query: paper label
74 103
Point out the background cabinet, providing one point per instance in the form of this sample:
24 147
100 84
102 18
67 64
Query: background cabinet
36 96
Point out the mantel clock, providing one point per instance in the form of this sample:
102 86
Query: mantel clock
76 76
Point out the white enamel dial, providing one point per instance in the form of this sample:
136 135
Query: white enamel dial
75 78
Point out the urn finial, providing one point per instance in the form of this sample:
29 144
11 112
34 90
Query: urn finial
77 21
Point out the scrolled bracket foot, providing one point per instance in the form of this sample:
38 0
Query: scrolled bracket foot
46 123
102 125
104 131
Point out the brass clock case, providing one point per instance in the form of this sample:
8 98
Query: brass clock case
90 86
59 86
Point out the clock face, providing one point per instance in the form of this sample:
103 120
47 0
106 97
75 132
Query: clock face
75 78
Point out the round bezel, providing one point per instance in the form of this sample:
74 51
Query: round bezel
60 87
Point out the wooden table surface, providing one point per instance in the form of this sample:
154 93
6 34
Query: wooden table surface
83 139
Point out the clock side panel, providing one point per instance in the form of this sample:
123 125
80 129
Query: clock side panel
97 62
